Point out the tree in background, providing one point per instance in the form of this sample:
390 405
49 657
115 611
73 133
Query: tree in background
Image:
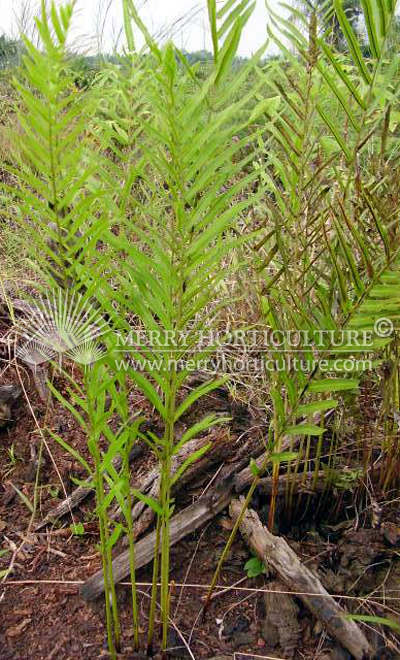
328 19
353 12
394 39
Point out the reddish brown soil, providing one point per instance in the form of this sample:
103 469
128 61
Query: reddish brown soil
43 617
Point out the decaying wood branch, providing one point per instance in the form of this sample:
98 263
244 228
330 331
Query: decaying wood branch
79 494
143 516
281 626
182 524
309 482
219 448
40 375
275 552
149 483
94 586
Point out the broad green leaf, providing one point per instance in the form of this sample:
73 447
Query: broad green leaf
150 501
377 620
304 429
317 406
189 461
199 427
284 456
74 453
352 41
199 392
23 497
334 385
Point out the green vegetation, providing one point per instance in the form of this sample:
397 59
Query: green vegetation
254 195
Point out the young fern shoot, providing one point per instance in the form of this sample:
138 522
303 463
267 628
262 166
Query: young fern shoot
170 279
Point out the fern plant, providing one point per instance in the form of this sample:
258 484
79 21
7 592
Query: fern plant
58 197
164 239
325 268
154 253
175 241
62 216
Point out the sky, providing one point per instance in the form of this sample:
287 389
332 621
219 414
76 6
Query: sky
185 20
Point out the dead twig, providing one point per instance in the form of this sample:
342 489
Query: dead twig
275 552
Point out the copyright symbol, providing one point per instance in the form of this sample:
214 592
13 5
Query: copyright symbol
383 327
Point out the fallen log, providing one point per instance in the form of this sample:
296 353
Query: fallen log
182 524
308 482
220 449
275 552
40 375
281 624
94 586
149 483
240 475
79 494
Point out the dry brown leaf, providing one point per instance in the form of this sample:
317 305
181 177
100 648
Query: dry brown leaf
17 630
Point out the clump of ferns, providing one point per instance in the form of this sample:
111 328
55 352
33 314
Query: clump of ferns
349 294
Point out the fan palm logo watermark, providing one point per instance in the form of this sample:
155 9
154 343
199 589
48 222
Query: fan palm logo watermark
61 324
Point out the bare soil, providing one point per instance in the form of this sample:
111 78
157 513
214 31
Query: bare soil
43 616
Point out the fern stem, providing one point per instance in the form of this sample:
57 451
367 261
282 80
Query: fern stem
154 588
165 553
114 604
132 559
107 593
233 533
111 608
